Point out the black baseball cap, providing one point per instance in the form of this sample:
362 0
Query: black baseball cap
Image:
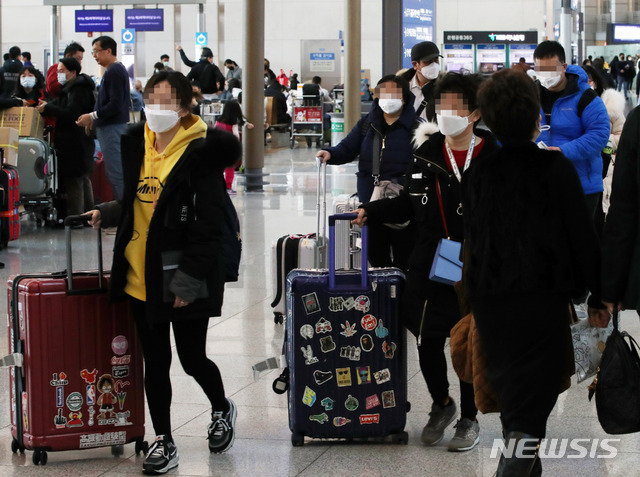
425 51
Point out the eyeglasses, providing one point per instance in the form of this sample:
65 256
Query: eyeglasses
95 52
343 372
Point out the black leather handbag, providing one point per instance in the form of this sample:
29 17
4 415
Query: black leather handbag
617 384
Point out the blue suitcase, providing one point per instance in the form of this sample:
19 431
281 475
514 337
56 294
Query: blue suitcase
346 351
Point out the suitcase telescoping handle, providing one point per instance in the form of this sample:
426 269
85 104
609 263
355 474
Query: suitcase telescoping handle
332 252
321 204
69 221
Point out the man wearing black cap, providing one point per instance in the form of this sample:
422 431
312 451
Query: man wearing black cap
425 59
205 71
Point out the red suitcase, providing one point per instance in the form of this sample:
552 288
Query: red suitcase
81 382
9 214
102 191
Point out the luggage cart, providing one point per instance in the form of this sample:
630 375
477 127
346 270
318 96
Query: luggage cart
210 110
307 120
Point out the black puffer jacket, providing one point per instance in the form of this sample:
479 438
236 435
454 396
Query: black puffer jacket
429 308
74 148
188 217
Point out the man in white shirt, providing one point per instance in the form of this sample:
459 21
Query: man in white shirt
425 59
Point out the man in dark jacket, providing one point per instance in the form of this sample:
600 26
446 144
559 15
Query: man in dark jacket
205 72
9 73
74 148
621 240
73 50
111 114
425 59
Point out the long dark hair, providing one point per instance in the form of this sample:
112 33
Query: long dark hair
596 77
232 114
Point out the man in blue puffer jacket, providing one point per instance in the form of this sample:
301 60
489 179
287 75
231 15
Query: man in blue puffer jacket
578 118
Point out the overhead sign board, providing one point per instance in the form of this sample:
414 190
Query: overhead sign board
94 20
623 33
489 37
144 19
418 23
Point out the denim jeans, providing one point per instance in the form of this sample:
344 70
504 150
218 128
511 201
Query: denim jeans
109 137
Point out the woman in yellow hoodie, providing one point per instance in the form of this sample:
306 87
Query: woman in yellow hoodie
168 252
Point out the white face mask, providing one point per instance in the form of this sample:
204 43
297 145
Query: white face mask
431 71
452 125
549 79
62 78
160 119
390 106
28 81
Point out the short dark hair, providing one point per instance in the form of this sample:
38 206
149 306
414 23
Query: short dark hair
71 64
106 42
162 57
5 57
402 83
206 53
179 83
549 49
316 80
158 66
510 105
14 52
466 85
26 55
232 113
234 83
73 48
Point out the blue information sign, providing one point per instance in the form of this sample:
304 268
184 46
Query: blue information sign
202 38
145 19
418 24
128 36
94 20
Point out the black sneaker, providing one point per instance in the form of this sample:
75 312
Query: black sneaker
162 456
221 433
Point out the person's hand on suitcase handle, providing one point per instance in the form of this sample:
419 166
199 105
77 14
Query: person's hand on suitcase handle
362 217
96 218
324 156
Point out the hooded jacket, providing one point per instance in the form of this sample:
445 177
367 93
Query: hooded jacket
188 218
9 77
428 308
395 139
581 138
74 148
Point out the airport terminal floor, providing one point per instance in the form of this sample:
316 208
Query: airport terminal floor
246 334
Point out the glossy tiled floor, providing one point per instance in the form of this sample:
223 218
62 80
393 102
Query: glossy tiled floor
246 334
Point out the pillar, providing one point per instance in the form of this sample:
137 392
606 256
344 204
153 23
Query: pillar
352 49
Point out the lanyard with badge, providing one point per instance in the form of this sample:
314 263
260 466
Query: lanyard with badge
454 165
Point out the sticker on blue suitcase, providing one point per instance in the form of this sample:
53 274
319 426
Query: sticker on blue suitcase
323 326
388 399
327 344
319 418
327 403
309 397
311 303
351 404
306 331
363 303
381 331
351 352
343 376
372 402
336 304
369 322
382 376
322 377
366 343
348 329
389 349
340 421
309 358
364 374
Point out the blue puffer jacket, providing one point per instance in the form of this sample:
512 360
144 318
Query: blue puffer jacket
397 153
581 139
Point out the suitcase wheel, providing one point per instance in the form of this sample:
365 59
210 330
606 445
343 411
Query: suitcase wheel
117 451
297 440
278 319
39 457
402 438
15 447
142 446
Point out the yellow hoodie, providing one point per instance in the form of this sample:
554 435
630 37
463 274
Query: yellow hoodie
153 177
